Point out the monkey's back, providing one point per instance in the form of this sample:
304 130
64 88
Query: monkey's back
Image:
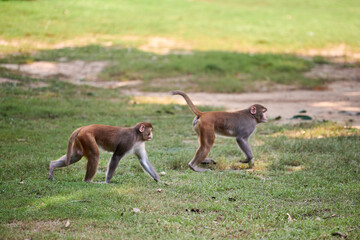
107 137
228 123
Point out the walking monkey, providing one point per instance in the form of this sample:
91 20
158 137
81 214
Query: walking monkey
240 124
121 141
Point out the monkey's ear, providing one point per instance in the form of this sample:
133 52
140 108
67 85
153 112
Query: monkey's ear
142 128
253 110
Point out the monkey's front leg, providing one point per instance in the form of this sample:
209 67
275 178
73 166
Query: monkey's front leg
146 165
245 147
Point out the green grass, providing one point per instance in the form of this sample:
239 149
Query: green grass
309 171
201 71
231 25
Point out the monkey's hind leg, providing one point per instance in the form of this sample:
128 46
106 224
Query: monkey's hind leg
91 167
61 163
207 139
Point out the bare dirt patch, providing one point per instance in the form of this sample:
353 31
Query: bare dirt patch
77 72
6 80
340 102
162 45
334 72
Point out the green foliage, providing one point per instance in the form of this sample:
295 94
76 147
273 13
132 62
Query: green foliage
309 171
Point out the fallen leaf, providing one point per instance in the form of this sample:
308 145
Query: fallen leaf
136 210
339 234
290 218
163 173
302 117
21 139
67 224
159 190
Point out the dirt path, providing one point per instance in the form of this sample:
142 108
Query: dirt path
341 102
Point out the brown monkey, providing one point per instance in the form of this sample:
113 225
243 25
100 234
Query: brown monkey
121 141
240 124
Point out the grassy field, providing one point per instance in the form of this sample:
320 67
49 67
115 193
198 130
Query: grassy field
228 25
309 172
306 181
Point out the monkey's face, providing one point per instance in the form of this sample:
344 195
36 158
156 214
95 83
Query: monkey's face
259 112
146 131
147 135
263 117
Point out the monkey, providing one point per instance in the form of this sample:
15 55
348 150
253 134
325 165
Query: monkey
240 124
121 141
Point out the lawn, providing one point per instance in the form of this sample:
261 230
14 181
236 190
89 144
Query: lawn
279 26
305 183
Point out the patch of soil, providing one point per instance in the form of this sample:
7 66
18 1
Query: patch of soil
77 72
73 71
6 80
334 72
161 45
340 102
174 82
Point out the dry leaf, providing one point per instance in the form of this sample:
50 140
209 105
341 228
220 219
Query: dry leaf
339 234
67 224
136 210
159 190
289 217
163 173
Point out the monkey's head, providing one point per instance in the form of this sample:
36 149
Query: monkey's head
145 130
259 113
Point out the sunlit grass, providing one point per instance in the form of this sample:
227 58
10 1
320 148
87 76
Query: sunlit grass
246 26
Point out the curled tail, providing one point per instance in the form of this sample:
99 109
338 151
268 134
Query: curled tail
188 101
70 144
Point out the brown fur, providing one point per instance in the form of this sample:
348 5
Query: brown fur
240 124
120 141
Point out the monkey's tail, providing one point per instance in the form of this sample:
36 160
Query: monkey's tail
70 144
188 101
